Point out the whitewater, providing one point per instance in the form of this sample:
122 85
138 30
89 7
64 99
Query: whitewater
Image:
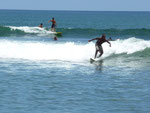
68 51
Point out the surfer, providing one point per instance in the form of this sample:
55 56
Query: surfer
53 24
110 39
41 25
98 44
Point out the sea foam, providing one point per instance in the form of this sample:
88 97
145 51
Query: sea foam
35 30
68 51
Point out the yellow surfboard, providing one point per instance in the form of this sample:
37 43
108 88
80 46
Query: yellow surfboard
59 33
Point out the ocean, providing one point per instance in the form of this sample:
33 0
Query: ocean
40 75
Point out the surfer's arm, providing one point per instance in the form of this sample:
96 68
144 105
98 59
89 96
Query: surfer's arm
108 43
49 21
93 39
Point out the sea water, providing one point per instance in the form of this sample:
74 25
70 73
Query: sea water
40 75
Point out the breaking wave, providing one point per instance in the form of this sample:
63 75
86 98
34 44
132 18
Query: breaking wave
70 51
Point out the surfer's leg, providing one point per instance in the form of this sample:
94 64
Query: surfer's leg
52 27
96 53
96 50
101 51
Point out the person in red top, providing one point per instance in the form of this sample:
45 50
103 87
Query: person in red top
98 45
53 24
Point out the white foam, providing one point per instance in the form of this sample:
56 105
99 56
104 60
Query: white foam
44 51
68 51
36 30
127 46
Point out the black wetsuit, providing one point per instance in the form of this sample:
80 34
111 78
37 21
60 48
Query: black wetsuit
99 43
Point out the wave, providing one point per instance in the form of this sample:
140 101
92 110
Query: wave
26 30
129 46
111 31
7 31
71 51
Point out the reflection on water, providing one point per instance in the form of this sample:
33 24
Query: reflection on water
98 64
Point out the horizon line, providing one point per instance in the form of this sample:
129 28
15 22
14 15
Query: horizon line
77 10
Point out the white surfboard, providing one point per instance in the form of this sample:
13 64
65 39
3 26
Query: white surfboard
95 60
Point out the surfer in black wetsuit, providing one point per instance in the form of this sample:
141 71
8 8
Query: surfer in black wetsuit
98 45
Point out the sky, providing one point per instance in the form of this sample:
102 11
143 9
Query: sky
85 5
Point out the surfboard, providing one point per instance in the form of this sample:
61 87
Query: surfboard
95 60
58 33
92 60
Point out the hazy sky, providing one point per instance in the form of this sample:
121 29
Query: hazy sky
98 5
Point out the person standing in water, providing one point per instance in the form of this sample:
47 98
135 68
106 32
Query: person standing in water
55 38
53 24
98 44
